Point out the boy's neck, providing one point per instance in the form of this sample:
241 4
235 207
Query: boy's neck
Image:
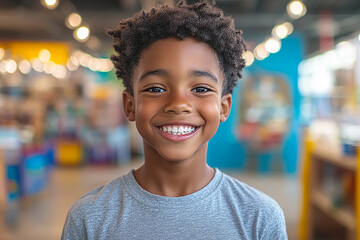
174 178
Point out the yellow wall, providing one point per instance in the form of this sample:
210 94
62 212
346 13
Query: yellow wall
29 50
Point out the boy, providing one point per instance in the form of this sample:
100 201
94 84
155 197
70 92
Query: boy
179 66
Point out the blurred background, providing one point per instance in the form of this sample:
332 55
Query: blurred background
293 133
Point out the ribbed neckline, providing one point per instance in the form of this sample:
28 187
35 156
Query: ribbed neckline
153 200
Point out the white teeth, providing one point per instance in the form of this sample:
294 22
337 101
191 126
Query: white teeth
177 130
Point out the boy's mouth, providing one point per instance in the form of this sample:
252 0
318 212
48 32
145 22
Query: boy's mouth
177 129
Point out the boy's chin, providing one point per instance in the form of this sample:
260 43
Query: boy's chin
176 155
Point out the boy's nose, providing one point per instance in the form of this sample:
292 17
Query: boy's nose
178 103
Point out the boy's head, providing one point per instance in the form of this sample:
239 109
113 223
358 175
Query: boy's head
201 21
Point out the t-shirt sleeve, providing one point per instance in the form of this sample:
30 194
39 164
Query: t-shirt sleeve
72 230
275 227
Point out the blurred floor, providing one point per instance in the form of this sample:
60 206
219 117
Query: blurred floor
42 218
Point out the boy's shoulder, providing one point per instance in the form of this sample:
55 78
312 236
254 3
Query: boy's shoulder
103 196
246 196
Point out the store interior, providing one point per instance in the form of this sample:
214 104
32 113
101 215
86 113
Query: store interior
293 131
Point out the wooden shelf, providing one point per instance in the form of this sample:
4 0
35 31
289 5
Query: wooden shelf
341 215
335 158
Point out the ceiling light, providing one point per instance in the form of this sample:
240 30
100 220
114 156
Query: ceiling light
73 20
82 33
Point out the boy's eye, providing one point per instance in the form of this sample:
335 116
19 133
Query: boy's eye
201 89
154 90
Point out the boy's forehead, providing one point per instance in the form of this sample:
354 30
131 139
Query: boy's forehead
169 44
184 53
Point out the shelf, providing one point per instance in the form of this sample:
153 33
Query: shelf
341 215
334 157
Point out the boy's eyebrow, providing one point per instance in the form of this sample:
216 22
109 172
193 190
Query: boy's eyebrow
162 72
199 73
157 72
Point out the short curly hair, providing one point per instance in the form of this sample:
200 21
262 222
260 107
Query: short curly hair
202 21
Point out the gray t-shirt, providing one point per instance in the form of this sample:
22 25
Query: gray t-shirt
224 209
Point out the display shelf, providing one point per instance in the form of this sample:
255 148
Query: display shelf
327 154
320 204
343 216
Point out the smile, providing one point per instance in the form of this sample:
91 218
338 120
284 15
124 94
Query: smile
177 129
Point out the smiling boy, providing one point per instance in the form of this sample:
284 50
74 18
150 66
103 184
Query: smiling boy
179 66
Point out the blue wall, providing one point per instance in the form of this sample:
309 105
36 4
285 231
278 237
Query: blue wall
225 151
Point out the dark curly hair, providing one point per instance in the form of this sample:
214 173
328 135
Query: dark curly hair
201 21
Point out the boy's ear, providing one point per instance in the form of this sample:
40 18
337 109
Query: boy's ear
129 105
226 102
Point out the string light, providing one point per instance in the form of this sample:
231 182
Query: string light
249 58
71 66
2 53
44 55
73 20
10 66
24 66
49 67
81 34
3 67
260 52
272 45
37 65
59 71
296 9
50 4
283 30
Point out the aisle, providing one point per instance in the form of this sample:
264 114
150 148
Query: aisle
42 218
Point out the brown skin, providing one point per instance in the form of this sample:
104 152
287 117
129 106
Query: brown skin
176 82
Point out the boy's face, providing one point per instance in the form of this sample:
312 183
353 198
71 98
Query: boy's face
177 103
